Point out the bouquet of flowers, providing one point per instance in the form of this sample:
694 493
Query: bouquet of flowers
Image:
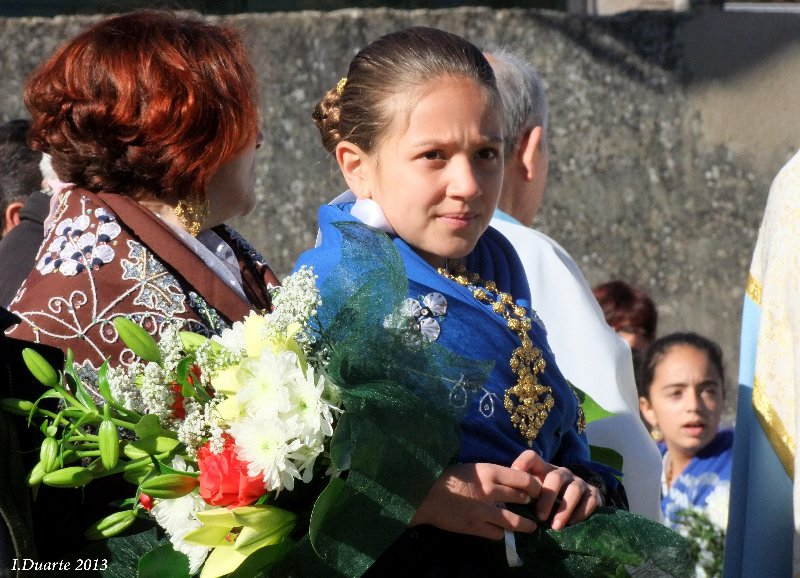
295 443
705 529
210 430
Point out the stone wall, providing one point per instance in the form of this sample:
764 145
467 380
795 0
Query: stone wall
649 179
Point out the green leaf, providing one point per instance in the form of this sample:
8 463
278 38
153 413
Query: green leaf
139 340
83 396
105 388
323 506
39 367
192 342
164 562
261 559
165 469
591 408
340 444
148 426
606 456
182 372
46 395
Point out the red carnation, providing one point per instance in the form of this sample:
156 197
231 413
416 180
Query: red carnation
224 480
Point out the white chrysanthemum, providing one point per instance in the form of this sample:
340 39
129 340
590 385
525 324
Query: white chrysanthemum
179 517
717 506
305 456
306 402
264 382
266 443
700 572
233 339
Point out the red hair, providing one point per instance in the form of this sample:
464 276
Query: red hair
623 304
144 104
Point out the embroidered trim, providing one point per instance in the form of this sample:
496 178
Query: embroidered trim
782 442
158 289
753 290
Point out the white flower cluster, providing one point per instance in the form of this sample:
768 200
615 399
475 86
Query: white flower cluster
717 506
200 425
123 386
296 301
170 347
157 393
286 418
179 517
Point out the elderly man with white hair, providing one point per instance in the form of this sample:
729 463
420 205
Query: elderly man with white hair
589 353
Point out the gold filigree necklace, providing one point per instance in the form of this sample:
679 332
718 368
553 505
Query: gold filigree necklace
535 401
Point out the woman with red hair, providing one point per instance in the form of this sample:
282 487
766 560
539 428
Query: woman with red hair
153 119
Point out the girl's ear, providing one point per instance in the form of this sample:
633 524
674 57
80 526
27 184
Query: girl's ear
356 168
647 411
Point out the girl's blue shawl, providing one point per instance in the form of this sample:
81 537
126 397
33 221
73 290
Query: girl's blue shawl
470 329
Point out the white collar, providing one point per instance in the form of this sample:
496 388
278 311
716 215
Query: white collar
365 210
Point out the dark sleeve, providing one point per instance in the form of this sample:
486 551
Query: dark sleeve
17 257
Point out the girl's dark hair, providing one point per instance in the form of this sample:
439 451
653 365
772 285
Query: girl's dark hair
387 69
660 347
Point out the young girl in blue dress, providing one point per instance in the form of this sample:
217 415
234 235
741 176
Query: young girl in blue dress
682 396
416 128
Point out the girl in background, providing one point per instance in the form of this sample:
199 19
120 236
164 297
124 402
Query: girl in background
682 396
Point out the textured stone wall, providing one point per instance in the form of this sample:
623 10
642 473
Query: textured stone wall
636 189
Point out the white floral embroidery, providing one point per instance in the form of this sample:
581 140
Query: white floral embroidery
76 248
422 316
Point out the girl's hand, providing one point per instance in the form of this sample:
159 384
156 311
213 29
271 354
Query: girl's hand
578 499
468 498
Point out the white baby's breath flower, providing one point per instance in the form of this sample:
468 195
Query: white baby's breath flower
264 381
122 383
296 301
157 393
171 347
266 442
717 506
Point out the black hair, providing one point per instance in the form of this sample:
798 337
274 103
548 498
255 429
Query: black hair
661 347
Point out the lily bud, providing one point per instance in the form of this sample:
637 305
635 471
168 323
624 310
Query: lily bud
169 486
110 525
48 454
139 340
35 475
16 406
74 477
39 367
109 444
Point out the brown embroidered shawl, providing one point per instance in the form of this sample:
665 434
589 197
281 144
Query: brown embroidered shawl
107 256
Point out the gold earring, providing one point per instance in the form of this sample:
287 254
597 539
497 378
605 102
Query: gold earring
192 215
656 434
